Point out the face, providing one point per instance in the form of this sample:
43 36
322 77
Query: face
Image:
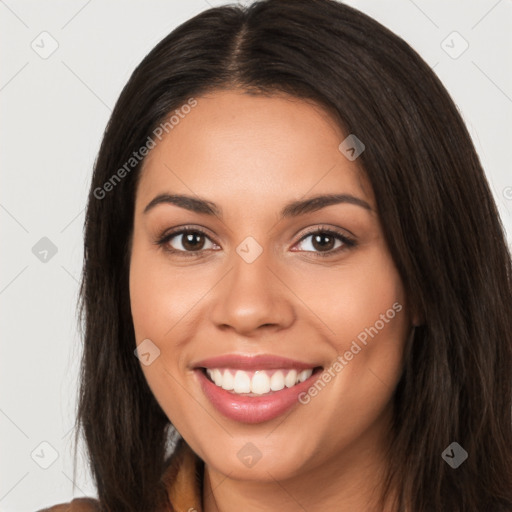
293 307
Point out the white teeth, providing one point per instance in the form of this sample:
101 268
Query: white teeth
242 382
217 377
304 374
277 381
228 382
258 382
291 378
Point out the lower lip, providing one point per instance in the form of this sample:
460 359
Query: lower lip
253 409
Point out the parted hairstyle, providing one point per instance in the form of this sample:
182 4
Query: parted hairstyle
438 217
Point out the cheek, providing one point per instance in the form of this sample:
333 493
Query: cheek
158 296
372 326
371 304
365 312
351 299
148 298
162 302
159 306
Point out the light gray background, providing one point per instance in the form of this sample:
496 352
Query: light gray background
54 111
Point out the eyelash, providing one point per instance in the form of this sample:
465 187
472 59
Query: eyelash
162 240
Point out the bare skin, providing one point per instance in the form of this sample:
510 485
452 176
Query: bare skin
251 155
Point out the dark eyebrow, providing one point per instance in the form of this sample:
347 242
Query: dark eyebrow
193 204
293 209
313 204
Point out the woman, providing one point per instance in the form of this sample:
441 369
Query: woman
296 288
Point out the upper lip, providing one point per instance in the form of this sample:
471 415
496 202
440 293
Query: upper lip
252 362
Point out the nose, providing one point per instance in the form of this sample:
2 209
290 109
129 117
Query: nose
252 297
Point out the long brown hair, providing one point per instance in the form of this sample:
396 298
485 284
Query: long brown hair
438 217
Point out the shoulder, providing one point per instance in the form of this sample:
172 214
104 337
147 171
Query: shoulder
77 505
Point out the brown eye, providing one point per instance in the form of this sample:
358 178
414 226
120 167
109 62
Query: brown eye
325 242
186 241
321 241
192 241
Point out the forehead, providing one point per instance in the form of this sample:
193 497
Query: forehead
255 147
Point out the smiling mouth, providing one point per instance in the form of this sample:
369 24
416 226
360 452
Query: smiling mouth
257 382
